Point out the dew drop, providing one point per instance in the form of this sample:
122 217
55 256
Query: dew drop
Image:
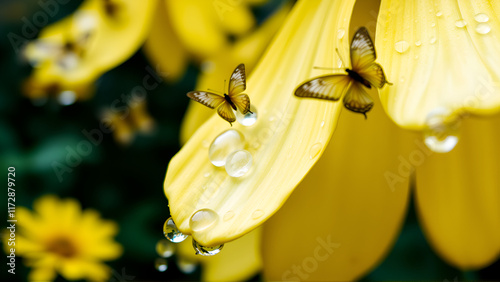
433 24
228 216
223 145
207 174
418 43
238 163
206 251
416 57
203 219
483 28
401 46
315 149
186 265
322 123
66 98
439 14
247 119
165 248
442 130
340 33
161 264
432 40
481 18
460 23
258 213
172 233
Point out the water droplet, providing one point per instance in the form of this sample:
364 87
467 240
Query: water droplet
418 43
206 251
165 248
339 63
161 264
203 219
483 28
432 40
402 79
247 119
433 24
322 123
238 163
315 149
223 145
186 265
258 213
172 233
481 18
442 130
66 98
340 33
401 46
460 23
228 215
439 14
207 174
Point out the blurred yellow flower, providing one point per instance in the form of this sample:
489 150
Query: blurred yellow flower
58 237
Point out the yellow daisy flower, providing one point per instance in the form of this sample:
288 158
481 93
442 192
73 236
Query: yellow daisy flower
58 237
345 212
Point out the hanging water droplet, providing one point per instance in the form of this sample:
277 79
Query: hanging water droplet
186 265
481 18
247 119
206 251
432 40
315 149
223 145
165 248
238 163
257 213
483 28
418 43
66 98
439 14
172 233
442 130
460 23
228 215
340 33
161 264
203 219
401 46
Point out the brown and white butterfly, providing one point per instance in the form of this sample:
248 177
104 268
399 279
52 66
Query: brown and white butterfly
364 72
233 100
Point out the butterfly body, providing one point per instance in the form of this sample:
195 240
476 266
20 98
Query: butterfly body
364 72
233 100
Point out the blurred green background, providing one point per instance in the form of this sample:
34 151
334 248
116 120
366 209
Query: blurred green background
125 183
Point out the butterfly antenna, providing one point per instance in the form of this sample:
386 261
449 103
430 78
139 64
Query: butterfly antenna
224 84
340 57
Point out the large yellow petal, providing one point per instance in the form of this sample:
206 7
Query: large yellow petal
246 50
458 197
439 54
285 142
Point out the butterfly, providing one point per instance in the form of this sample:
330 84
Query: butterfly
364 72
233 100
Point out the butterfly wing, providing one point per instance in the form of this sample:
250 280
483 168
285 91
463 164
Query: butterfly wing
238 81
362 50
357 100
375 75
226 112
242 103
208 99
329 87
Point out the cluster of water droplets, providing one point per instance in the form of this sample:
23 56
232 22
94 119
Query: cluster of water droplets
441 134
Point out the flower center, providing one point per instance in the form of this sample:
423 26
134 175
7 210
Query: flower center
63 247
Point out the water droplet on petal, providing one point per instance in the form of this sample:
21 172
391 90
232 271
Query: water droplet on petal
247 119
172 233
315 149
223 145
433 24
442 130
483 28
161 264
432 40
322 123
401 46
207 174
439 14
418 43
66 98
165 248
257 213
203 219
206 251
460 23
238 163
228 215
186 265
481 18
340 33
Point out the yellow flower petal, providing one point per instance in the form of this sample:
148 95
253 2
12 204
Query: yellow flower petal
42 274
285 142
345 215
163 47
239 261
246 50
458 197
439 54
238 19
